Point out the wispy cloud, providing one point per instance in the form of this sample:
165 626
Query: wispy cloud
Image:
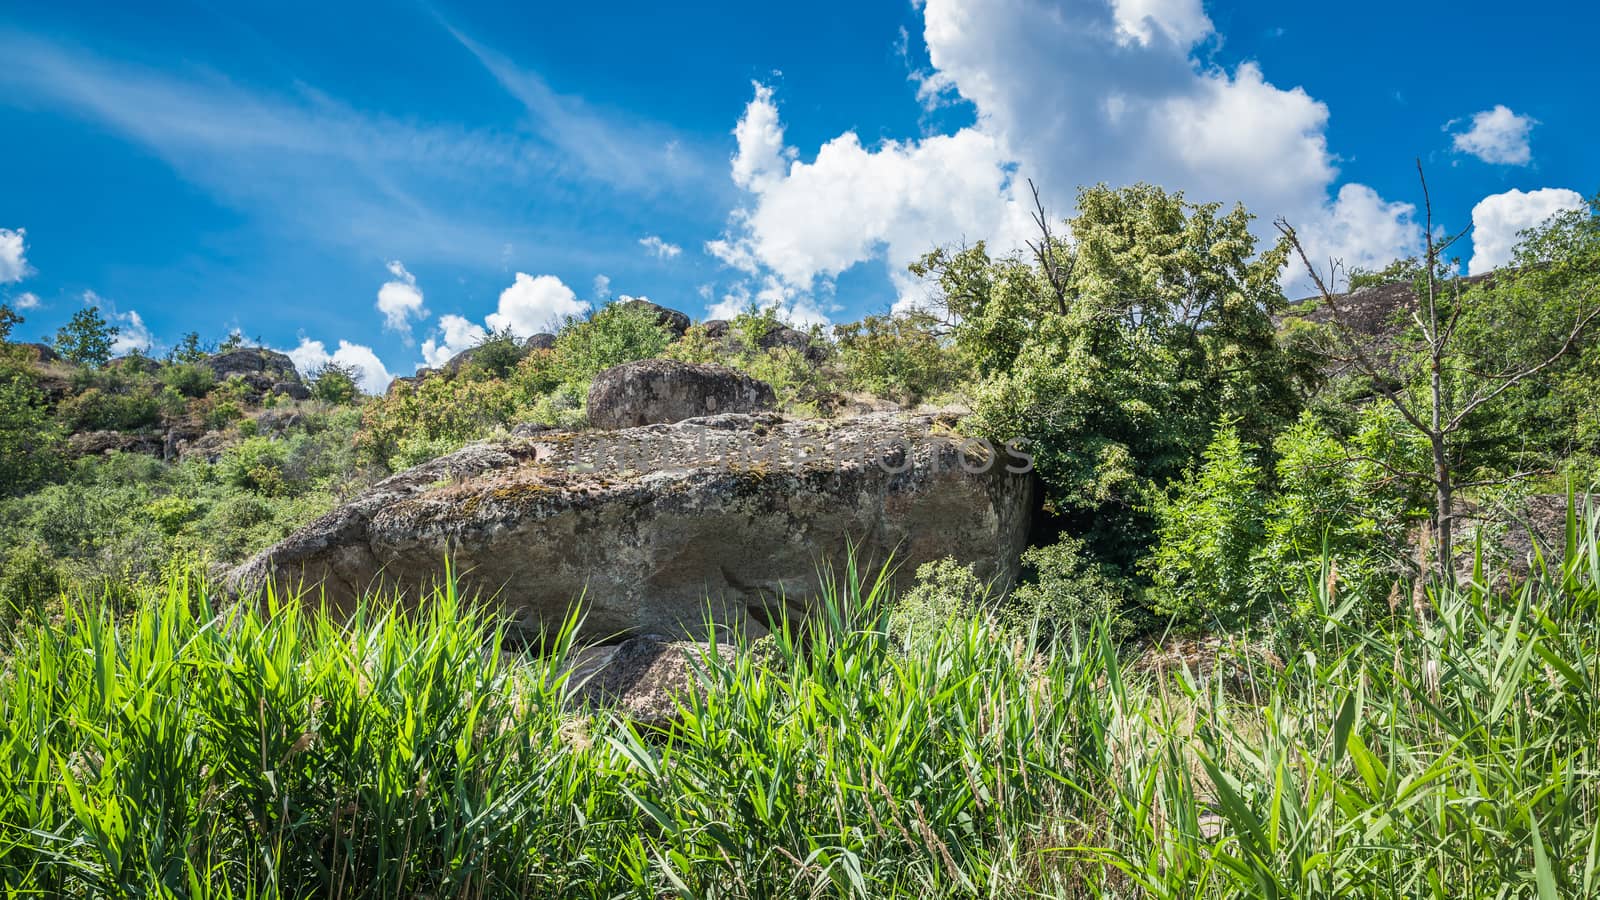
617 149
324 170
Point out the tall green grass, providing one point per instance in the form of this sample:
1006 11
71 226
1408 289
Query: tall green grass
268 751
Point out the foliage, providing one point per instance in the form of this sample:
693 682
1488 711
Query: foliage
30 442
617 334
497 355
86 338
1067 591
903 357
944 591
276 752
1338 501
9 319
335 384
188 378
439 414
1114 360
1202 568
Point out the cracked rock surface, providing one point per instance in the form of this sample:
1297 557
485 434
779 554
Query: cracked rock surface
718 521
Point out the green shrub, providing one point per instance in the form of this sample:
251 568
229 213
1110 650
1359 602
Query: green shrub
1209 533
335 384
901 357
945 591
1066 590
188 378
617 334
30 440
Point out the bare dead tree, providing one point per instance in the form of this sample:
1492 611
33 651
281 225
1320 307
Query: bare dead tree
1045 251
1437 418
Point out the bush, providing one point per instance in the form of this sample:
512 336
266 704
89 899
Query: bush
901 357
1067 590
617 334
188 378
1208 535
30 442
256 464
335 384
945 591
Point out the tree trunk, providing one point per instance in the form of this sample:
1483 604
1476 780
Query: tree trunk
1444 500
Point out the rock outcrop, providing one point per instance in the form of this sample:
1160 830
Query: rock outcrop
780 337
662 391
259 368
673 321
662 529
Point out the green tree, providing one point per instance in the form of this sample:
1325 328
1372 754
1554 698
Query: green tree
1474 348
1113 356
86 339
903 357
30 441
8 320
189 350
336 384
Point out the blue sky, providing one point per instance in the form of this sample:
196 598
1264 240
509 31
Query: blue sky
380 183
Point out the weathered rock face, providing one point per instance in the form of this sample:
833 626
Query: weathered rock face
670 319
540 341
261 369
663 528
661 391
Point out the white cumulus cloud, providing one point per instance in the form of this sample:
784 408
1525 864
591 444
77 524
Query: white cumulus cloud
13 255
371 375
456 333
1066 93
26 300
400 300
533 304
1499 218
1498 136
132 335
661 248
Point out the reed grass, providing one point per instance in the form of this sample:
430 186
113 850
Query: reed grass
267 750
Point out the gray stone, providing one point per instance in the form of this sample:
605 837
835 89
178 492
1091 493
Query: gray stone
259 368
667 528
294 390
661 391
541 341
672 320
643 678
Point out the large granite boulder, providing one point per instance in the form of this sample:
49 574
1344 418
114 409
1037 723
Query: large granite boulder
661 391
544 340
259 368
665 529
673 321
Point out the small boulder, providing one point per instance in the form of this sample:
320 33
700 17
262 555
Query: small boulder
662 391
294 390
670 319
642 677
716 329
785 338
541 341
